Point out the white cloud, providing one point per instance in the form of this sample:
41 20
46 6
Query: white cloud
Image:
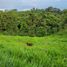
2 9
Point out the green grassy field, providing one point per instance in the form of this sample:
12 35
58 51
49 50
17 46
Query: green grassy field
49 51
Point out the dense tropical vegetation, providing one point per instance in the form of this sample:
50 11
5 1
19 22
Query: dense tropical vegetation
35 22
39 50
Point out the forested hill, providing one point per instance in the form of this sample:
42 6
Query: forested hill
35 22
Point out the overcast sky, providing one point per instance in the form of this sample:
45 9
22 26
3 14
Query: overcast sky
28 4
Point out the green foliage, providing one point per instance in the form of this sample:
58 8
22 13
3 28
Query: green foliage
36 22
51 9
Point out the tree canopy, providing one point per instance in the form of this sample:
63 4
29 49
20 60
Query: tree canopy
35 22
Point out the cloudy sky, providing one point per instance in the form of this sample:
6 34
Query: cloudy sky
28 4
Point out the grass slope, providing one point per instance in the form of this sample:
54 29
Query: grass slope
50 51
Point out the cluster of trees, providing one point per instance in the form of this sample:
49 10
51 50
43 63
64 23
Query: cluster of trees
35 22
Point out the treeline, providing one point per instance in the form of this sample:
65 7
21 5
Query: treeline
35 22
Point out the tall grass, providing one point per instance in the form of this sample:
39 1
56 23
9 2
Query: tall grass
50 51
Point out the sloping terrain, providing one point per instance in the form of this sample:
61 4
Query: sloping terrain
49 51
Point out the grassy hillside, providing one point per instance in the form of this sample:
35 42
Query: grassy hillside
50 51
